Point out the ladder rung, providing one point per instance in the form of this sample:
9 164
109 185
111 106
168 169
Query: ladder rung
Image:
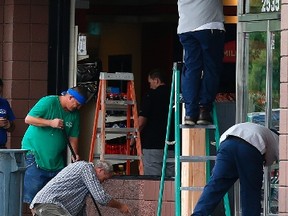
198 126
116 76
120 102
196 158
118 105
192 188
118 130
118 157
112 119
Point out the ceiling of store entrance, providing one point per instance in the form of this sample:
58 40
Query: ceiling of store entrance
131 11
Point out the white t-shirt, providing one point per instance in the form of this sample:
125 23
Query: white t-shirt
266 141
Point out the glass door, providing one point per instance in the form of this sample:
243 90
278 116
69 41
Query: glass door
258 81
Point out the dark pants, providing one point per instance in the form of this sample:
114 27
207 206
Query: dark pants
203 52
235 159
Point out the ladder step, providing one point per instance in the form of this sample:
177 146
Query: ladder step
118 130
118 157
195 188
112 119
116 76
192 159
196 158
118 104
198 126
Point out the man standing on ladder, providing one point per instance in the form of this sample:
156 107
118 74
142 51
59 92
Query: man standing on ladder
152 125
243 151
201 33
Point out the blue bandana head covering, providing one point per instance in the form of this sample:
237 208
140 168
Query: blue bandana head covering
81 99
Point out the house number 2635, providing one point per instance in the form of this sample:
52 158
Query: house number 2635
270 5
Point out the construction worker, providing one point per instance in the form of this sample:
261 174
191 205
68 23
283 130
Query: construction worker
244 149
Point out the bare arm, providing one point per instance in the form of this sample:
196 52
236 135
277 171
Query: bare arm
8 125
40 122
123 208
74 144
142 122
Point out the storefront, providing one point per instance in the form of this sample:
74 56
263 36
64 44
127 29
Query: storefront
261 61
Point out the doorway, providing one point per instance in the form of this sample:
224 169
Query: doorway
258 81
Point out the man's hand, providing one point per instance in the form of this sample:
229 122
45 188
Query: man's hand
4 123
75 159
57 123
124 209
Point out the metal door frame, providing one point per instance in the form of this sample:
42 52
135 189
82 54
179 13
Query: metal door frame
248 23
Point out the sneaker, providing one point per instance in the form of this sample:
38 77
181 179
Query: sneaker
188 120
204 117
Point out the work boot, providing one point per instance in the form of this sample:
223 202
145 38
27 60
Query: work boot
188 120
204 117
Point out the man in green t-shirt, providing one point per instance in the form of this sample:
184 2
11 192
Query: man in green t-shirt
51 121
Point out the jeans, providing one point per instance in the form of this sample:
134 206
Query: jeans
235 159
203 59
49 209
35 178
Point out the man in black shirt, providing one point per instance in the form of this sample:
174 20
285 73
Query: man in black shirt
153 117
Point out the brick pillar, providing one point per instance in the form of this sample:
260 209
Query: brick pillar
24 58
283 181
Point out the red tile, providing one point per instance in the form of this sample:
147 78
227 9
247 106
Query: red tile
149 190
39 52
21 52
7 51
21 32
7 88
38 89
32 102
20 128
1 65
15 2
284 69
20 70
39 33
168 193
1 13
21 14
20 89
39 70
20 108
8 13
1 32
8 33
168 209
7 69
39 14
37 2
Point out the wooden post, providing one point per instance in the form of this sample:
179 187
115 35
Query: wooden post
192 173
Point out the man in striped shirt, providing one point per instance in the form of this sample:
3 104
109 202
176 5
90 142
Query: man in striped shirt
65 194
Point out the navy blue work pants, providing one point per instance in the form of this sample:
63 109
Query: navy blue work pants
203 51
235 159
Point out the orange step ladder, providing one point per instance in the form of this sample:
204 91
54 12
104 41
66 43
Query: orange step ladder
125 103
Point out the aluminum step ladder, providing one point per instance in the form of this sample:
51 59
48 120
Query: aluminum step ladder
127 104
175 103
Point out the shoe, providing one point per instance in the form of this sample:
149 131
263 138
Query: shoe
188 120
204 117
